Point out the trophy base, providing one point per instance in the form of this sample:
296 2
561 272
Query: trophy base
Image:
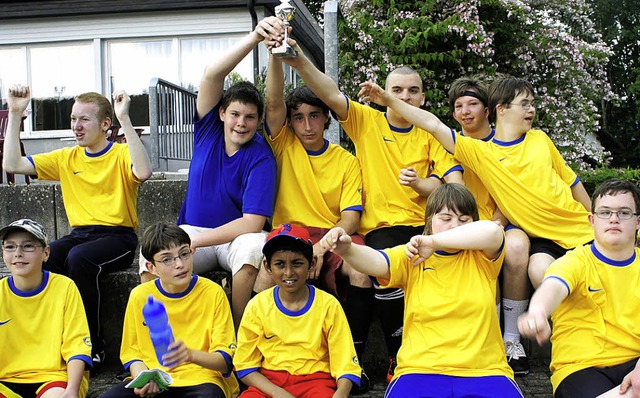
284 52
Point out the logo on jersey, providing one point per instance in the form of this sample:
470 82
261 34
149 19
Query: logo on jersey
87 341
269 337
355 359
428 269
5 322
77 172
232 346
593 290
385 139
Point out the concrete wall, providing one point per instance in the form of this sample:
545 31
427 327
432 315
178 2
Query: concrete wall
158 200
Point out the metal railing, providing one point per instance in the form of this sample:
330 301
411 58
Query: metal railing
171 112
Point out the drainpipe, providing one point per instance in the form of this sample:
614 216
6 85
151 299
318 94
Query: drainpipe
251 4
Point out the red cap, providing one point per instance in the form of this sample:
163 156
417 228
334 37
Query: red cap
288 235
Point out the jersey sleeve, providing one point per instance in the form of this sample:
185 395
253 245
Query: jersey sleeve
260 189
342 353
130 350
222 337
76 343
398 267
560 165
351 198
248 357
357 114
281 141
46 164
567 269
443 162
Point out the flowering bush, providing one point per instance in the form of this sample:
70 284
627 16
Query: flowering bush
552 44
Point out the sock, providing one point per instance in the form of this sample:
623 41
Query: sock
512 310
499 310
391 311
359 310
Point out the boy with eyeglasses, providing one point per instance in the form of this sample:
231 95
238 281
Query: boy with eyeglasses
592 297
521 168
43 328
200 359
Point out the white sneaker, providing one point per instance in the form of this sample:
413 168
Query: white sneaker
516 357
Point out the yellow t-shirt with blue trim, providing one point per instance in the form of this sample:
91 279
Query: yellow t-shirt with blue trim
531 183
383 151
314 187
450 322
42 330
313 339
486 204
97 188
597 323
200 316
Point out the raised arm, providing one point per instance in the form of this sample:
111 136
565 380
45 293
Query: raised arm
322 85
487 236
212 83
276 108
140 162
362 258
535 322
580 194
371 92
12 160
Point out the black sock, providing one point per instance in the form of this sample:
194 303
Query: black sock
359 310
390 304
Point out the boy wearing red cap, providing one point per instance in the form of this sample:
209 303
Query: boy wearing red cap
294 339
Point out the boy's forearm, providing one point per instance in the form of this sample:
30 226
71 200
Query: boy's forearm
209 360
248 223
276 108
13 161
260 381
580 194
141 164
487 236
426 121
344 388
548 297
366 260
75 373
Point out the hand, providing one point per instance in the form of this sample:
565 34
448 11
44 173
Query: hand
121 102
420 246
318 253
19 97
371 92
177 354
408 176
150 390
271 31
631 383
336 240
534 323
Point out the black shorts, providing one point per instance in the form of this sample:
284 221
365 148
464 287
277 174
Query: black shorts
591 382
384 238
540 245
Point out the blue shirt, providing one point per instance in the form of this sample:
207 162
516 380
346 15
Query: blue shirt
222 188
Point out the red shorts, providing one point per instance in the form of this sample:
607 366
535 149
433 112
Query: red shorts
316 385
330 280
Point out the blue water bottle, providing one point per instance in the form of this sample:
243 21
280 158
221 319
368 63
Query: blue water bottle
155 316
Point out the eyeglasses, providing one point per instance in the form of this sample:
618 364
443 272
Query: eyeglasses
525 105
169 261
27 247
622 214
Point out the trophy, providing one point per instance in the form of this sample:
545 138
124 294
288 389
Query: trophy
285 12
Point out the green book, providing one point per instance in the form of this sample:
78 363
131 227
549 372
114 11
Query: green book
162 379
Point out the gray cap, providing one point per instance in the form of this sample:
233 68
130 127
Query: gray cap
25 224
